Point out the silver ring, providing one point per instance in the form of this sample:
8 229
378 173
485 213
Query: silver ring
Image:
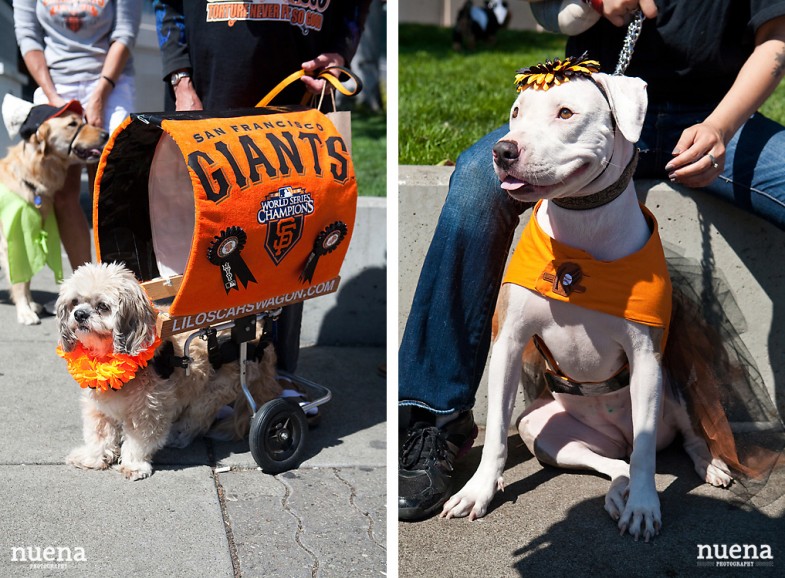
714 163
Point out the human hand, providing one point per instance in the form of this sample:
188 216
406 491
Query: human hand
185 96
620 12
699 156
94 111
312 67
57 100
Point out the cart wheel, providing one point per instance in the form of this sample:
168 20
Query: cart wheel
277 438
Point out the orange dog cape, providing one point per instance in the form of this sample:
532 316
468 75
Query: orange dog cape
636 287
247 205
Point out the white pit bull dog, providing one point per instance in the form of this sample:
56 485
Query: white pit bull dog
571 145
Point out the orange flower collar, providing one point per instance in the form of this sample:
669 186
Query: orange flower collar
109 372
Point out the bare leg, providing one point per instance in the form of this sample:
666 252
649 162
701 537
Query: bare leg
71 220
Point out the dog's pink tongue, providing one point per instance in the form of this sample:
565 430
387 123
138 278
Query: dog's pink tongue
511 183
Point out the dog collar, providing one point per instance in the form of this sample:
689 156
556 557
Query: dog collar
37 199
604 196
112 371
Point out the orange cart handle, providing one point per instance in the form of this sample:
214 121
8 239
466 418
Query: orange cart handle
323 74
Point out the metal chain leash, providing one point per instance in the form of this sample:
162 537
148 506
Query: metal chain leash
633 32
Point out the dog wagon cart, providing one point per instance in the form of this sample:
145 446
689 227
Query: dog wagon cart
231 216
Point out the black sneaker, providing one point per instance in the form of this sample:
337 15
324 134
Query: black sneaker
425 464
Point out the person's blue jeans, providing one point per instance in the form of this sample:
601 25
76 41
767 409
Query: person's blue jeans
447 336
754 174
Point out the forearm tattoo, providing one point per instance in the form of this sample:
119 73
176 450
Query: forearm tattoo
779 64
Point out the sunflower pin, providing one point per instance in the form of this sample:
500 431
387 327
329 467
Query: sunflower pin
555 72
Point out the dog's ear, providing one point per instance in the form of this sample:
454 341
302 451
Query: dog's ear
67 337
38 138
134 321
628 99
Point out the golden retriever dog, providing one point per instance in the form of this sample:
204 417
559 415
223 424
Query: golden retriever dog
34 170
103 314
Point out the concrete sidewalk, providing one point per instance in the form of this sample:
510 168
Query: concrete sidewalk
193 517
551 522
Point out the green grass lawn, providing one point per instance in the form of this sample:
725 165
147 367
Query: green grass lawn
369 153
448 99
774 108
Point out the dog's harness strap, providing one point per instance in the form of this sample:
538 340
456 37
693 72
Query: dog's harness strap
213 349
165 361
76 134
218 352
559 382
604 196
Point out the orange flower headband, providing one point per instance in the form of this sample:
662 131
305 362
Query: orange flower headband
105 373
555 72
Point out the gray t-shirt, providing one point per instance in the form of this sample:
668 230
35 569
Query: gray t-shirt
75 34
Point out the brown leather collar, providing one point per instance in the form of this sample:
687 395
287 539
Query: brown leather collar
604 196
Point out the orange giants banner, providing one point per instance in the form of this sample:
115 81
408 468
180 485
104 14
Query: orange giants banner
245 205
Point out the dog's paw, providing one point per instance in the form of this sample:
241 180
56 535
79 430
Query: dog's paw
27 316
616 498
718 474
641 515
135 471
87 459
472 500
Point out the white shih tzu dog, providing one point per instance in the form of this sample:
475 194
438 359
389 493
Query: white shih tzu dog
130 408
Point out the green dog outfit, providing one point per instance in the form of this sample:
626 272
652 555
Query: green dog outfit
31 243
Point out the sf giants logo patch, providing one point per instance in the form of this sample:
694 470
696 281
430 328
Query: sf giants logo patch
284 213
282 235
567 279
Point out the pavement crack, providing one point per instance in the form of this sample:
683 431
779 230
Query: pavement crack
366 515
300 526
227 525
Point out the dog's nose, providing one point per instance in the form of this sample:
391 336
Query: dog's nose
104 136
81 315
505 153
